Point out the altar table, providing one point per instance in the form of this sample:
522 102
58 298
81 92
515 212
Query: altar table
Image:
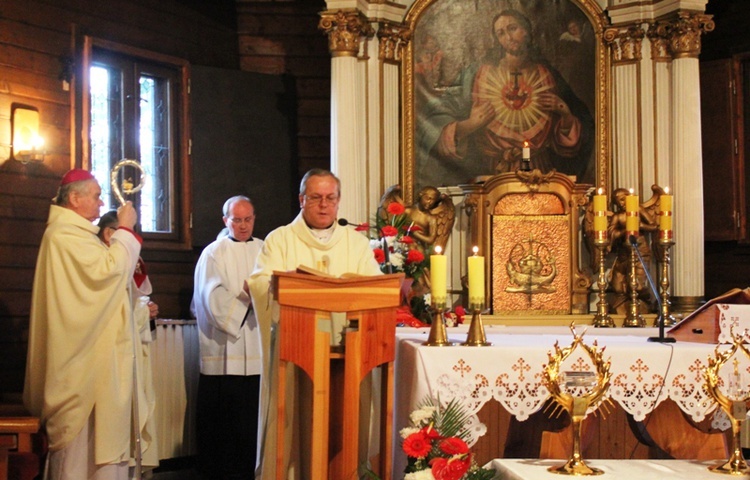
643 374
532 469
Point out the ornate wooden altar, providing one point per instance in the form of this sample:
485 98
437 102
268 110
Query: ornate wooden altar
528 225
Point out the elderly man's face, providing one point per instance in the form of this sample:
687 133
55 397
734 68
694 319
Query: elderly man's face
320 203
513 37
87 202
240 220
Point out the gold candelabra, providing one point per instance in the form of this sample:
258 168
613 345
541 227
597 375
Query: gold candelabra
602 318
438 336
633 317
733 403
583 390
665 244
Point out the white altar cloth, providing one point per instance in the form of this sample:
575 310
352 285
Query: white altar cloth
644 374
532 469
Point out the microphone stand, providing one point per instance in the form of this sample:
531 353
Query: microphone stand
661 338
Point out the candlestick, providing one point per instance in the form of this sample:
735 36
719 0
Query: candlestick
526 162
438 277
665 215
632 214
600 211
476 280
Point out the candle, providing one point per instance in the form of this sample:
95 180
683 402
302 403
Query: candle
665 211
632 214
476 280
526 150
438 277
600 211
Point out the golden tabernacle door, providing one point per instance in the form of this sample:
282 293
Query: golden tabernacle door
528 225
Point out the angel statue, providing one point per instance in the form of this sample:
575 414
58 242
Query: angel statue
430 218
619 283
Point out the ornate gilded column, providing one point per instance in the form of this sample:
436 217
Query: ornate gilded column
626 52
683 38
346 30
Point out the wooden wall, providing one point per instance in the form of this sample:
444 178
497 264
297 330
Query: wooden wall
35 39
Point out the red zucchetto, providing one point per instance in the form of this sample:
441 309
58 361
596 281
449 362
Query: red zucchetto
76 175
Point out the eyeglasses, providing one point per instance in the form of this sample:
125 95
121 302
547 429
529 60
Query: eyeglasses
316 199
238 221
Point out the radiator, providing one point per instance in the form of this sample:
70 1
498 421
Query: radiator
175 358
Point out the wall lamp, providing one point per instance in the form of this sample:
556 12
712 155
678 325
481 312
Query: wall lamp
27 144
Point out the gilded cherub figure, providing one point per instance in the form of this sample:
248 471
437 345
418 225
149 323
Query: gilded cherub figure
430 218
619 241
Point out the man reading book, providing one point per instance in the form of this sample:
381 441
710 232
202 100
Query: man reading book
314 240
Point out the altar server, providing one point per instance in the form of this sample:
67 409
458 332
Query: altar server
313 239
230 349
79 369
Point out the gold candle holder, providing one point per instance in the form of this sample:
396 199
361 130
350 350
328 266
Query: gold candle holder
438 336
734 404
476 336
665 244
594 385
633 317
602 318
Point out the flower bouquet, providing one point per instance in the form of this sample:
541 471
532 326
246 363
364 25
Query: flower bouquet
435 444
392 244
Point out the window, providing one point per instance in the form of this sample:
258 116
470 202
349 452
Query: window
135 102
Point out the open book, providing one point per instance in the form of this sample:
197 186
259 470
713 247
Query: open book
319 273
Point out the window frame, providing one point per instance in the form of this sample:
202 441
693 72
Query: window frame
180 237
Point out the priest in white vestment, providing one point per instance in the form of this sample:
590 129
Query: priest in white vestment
227 413
315 240
79 368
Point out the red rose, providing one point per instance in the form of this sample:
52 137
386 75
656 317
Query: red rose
362 227
453 446
389 231
395 208
379 255
414 256
417 445
407 240
415 228
450 469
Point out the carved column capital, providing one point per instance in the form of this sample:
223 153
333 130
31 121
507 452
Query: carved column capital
659 44
626 43
683 33
393 38
345 30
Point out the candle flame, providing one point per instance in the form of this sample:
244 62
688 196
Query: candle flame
600 191
666 190
438 250
475 249
631 190
525 144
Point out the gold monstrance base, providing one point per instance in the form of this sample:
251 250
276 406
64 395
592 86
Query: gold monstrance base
575 467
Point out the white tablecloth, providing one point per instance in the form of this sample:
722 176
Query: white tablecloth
520 469
644 374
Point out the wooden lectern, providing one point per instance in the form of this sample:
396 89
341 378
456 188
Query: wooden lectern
336 373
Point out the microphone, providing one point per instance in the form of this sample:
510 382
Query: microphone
344 222
660 318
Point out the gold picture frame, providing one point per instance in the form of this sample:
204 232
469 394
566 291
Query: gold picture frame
452 46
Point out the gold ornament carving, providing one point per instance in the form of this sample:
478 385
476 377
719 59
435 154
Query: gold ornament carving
626 43
683 34
345 30
393 38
